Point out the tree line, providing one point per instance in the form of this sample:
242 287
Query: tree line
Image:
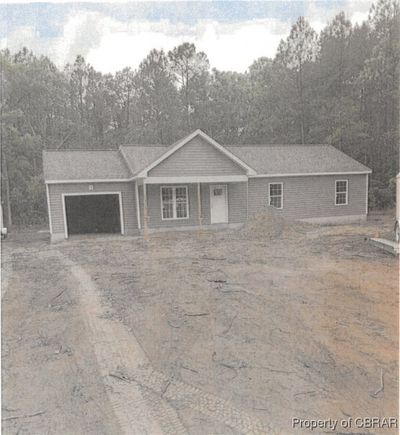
340 86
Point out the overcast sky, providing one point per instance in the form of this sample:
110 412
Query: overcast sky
113 35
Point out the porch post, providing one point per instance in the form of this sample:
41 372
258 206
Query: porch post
145 223
139 224
247 200
199 211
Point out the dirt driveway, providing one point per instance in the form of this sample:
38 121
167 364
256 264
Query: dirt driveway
202 333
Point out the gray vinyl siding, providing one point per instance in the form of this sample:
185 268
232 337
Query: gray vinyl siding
310 196
127 194
237 201
197 158
205 204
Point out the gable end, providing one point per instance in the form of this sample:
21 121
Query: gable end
197 154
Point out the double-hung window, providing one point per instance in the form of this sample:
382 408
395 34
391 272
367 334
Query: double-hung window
341 192
174 202
276 195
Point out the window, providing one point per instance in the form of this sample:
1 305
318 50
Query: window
174 203
341 192
276 195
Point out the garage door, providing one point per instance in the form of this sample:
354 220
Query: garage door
93 214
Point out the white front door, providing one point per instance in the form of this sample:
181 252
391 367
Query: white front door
219 203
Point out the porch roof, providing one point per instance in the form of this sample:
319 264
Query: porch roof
195 179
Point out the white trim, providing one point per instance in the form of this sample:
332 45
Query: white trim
145 209
48 209
366 194
181 143
275 196
64 216
310 174
217 179
174 218
213 186
199 207
121 216
347 192
139 224
247 200
98 180
206 178
159 180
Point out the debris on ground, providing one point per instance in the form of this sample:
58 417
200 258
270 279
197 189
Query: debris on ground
275 320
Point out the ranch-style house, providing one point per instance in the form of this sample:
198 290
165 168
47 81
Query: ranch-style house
197 182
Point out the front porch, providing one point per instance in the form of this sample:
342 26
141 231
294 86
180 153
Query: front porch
188 203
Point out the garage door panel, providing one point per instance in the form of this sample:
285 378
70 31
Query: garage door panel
93 214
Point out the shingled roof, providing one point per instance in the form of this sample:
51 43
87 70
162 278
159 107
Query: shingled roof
296 159
129 160
84 165
140 156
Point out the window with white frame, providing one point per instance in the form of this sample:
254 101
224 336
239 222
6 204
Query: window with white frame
276 195
341 192
174 202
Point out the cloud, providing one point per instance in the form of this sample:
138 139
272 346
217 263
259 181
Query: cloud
358 17
80 33
228 46
319 14
110 44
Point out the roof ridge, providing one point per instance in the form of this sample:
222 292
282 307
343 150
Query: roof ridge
124 160
79 150
277 144
145 145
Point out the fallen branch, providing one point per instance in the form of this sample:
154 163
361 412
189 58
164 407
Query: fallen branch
15 417
382 387
197 314
218 281
304 393
4 408
230 325
120 377
172 326
165 388
190 369
239 291
286 372
59 294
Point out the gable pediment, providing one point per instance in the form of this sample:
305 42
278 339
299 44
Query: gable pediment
197 155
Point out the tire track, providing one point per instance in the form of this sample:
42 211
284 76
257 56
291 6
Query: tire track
116 349
141 397
208 404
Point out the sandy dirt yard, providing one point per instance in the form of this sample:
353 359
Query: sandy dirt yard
207 332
